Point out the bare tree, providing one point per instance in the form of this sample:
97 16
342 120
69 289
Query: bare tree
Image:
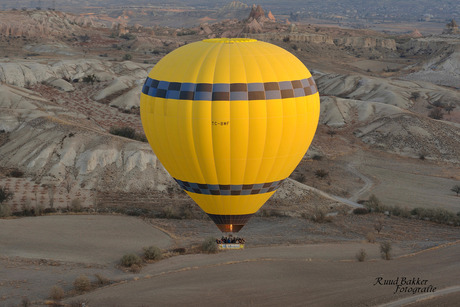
51 192
378 226
449 108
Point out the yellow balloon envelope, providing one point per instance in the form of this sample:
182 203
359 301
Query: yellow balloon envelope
230 119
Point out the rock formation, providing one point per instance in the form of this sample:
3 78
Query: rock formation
415 34
451 28
252 27
257 13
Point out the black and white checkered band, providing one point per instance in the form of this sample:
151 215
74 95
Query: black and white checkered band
229 91
229 189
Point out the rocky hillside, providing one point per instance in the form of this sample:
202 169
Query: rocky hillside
42 24
56 109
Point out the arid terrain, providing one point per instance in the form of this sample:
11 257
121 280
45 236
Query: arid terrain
83 196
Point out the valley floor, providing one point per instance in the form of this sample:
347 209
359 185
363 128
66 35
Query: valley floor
286 261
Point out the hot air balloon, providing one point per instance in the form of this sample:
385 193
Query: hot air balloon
229 119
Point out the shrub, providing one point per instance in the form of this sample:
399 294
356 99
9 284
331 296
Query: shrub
300 178
331 132
385 250
128 132
320 216
209 246
272 213
101 280
317 157
25 302
75 205
370 237
456 189
5 194
130 260
128 36
179 250
361 255
374 204
57 293
438 215
127 57
16 173
360 211
399 211
135 268
436 113
152 253
321 173
90 78
379 225
5 210
82 284
415 95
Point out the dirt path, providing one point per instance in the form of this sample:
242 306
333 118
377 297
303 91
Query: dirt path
368 183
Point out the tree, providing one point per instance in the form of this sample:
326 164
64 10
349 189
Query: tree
331 132
415 95
456 189
5 195
379 225
90 78
449 108
385 250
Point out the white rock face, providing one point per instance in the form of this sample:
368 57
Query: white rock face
128 100
443 72
61 85
386 91
337 112
29 73
48 150
117 85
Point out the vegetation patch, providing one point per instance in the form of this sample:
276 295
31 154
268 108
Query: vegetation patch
128 132
130 260
152 253
209 246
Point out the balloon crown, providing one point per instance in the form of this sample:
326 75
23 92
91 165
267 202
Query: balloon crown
230 40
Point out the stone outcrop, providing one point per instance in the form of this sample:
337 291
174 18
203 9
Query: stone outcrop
257 13
366 42
252 27
295 37
415 34
451 28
